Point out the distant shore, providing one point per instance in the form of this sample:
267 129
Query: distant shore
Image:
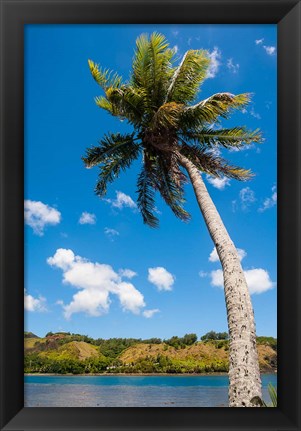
126 374
135 374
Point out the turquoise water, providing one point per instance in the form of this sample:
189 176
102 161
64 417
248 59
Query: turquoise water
131 391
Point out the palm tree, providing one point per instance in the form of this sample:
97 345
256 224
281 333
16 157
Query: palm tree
176 137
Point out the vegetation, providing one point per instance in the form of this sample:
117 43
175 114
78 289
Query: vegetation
29 335
268 341
179 342
35 363
67 353
273 395
175 136
212 335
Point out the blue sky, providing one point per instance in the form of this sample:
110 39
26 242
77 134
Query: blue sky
91 266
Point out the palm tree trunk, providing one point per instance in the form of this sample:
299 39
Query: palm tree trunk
244 375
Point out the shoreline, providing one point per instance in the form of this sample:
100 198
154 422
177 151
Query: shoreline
136 374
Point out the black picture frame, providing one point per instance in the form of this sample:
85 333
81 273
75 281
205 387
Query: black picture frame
14 15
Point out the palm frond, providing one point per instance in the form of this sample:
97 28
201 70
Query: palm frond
152 67
167 115
127 102
188 76
146 198
169 180
173 196
112 145
235 137
141 62
102 102
273 394
209 110
114 154
206 161
160 65
104 77
173 167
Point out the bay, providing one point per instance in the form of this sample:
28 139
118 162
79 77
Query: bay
131 391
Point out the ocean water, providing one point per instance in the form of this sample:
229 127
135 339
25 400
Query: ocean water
131 391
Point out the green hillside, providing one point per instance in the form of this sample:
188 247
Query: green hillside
78 354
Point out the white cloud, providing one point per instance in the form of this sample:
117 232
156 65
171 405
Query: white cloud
63 258
87 218
269 202
215 57
247 195
241 253
38 215
255 114
258 280
111 233
203 274
122 200
247 198
176 48
259 41
149 313
233 67
217 278
34 304
96 282
130 298
93 302
270 50
127 273
213 257
161 278
218 183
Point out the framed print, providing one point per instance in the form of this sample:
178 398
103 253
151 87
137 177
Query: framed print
150 237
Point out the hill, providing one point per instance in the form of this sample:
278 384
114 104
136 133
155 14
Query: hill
74 350
68 353
203 351
61 347
30 335
200 357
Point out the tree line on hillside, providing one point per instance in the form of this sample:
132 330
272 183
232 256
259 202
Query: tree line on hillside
159 364
112 347
187 339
